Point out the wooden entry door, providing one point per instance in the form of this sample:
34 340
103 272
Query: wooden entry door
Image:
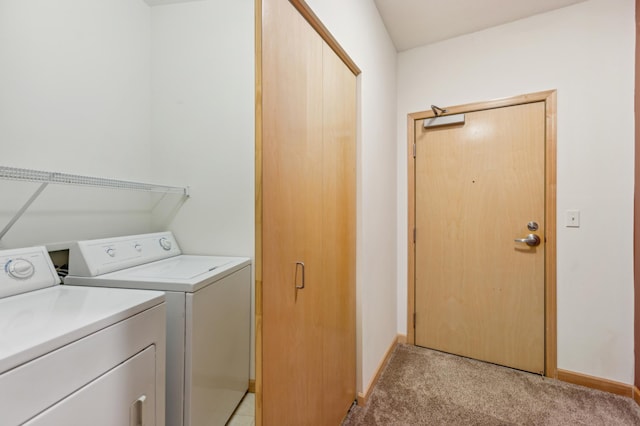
479 187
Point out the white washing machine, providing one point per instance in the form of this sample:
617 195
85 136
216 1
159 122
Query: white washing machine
74 355
208 317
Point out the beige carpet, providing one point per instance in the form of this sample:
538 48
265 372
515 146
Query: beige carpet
424 387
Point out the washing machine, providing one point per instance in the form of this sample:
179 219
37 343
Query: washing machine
208 316
76 355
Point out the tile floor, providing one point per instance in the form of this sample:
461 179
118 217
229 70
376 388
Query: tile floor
245 414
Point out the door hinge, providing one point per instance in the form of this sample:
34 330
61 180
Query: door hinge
414 235
414 150
414 320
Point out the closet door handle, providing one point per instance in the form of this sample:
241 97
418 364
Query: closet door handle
136 412
299 267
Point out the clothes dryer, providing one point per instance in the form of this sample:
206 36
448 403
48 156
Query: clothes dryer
77 355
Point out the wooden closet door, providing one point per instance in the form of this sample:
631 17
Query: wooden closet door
338 237
308 216
292 218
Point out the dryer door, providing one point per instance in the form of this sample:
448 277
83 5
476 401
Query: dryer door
124 395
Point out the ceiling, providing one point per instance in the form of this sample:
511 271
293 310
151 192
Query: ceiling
413 23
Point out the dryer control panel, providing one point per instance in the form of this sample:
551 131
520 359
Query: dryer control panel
91 258
26 269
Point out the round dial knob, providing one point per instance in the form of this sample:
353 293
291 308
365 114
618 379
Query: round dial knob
20 269
165 243
111 252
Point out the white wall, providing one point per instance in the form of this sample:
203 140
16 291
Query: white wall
586 52
203 123
115 88
359 29
74 85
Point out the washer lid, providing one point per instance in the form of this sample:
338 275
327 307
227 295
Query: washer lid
187 273
35 323
180 268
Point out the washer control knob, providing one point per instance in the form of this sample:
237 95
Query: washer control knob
20 269
165 243
138 247
111 252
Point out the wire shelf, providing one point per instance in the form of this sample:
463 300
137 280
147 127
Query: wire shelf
46 178
29 175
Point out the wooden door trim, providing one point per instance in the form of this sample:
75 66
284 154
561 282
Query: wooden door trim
258 216
317 25
549 98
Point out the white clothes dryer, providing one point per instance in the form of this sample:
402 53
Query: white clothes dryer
74 355
208 316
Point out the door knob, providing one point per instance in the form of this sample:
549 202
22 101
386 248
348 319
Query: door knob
531 240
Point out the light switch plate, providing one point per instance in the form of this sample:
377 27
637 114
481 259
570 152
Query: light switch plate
572 219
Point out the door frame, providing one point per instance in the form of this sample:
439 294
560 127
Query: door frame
550 298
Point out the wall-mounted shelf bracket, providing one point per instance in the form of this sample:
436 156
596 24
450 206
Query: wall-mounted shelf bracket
24 208
46 178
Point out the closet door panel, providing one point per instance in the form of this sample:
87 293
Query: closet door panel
292 217
338 243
